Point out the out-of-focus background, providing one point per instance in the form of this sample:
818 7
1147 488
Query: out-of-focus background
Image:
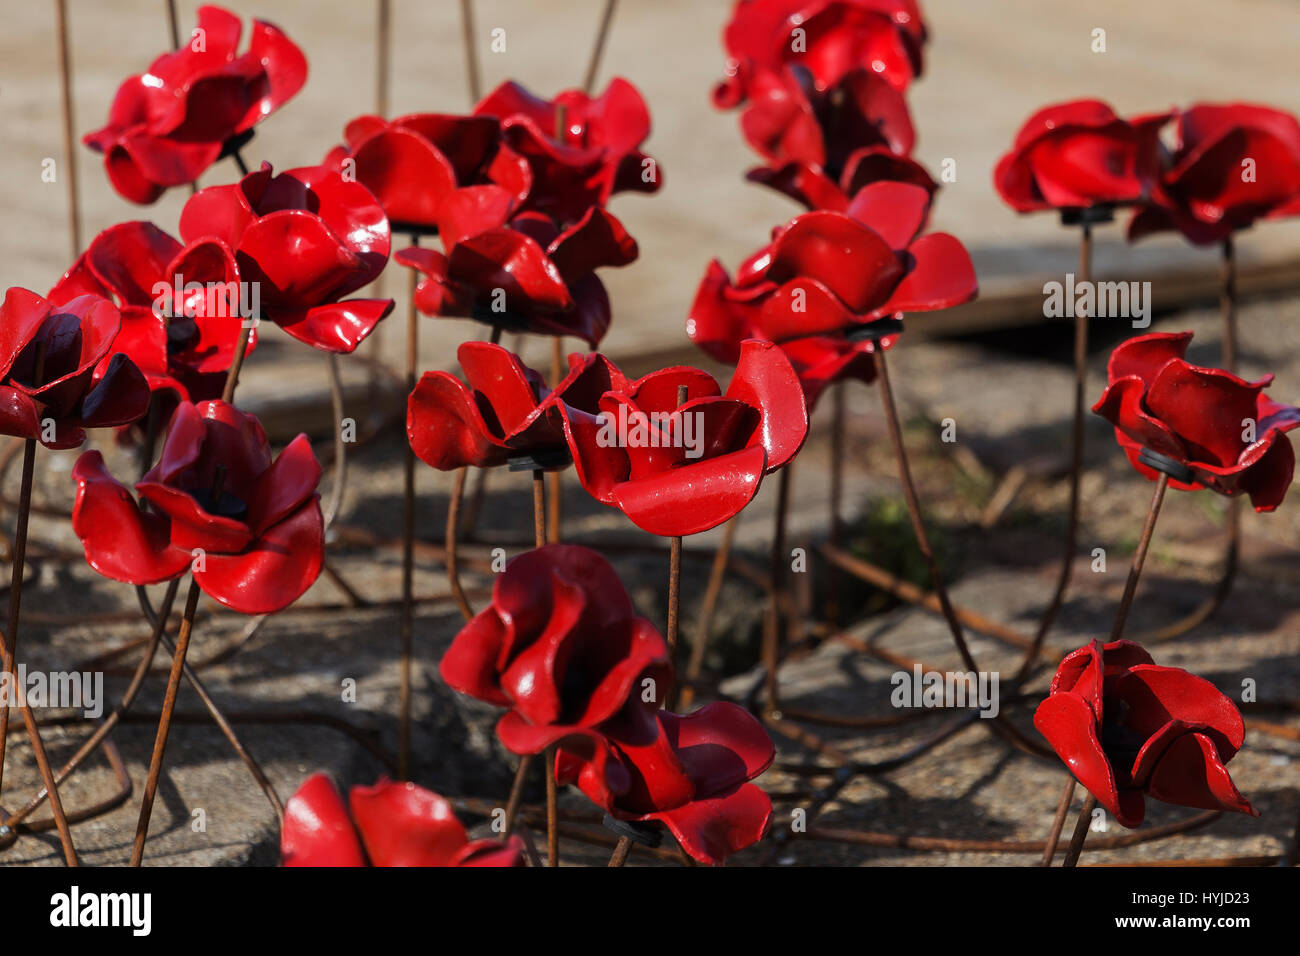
1006 381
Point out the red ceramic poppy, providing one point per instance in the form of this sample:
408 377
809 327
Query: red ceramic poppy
504 411
520 271
184 346
308 238
1078 155
248 527
1129 728
828 37
168 125
1232 163
595 154
1225 431
60 371
789 120
828 274
693 778
817 189
413 163
391 824
681 468
563 649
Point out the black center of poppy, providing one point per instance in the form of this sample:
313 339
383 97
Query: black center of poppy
223 505
182 334
1119 739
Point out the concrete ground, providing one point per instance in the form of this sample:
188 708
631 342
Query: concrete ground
989 66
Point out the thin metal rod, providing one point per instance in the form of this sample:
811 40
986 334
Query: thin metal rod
774 632
471 53
914 510
1076 463
621 850
340 446
1228 303
552 811
1081 826
554 515
836 500
517 791
237 363
111 721
539 508
717 575
408 541
1058 821
383 45
1139 558
449 544
164 723
69 129
597 50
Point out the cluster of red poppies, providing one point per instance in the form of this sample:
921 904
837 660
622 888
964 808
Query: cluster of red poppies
1228 165
822 86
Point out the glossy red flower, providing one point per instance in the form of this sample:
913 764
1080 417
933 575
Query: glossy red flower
307 238
248 527
168 125
789 120
827 274
829 37
1233 163
520 271
681 469
1129 728
597 152
183 346
693 778
816 188
562 647
391 824
60 371
1225 431
414 163
504 411
1078 155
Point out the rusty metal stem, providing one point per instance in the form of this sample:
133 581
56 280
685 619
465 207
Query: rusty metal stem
717 575
69 128
774 633
452 555
1139 558
408 543
1058 821
164 722
1081 826
471 54
539 508
593 65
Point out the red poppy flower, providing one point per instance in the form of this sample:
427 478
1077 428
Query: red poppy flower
1127 727
307 238
817 189
520 271
1233 163
693 778
596 154
562 647
392 824
837 37
789 120
1077 155
168 125
59 371
1225 431
827 274
504 411
413 163
185 347
681 470
249 528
